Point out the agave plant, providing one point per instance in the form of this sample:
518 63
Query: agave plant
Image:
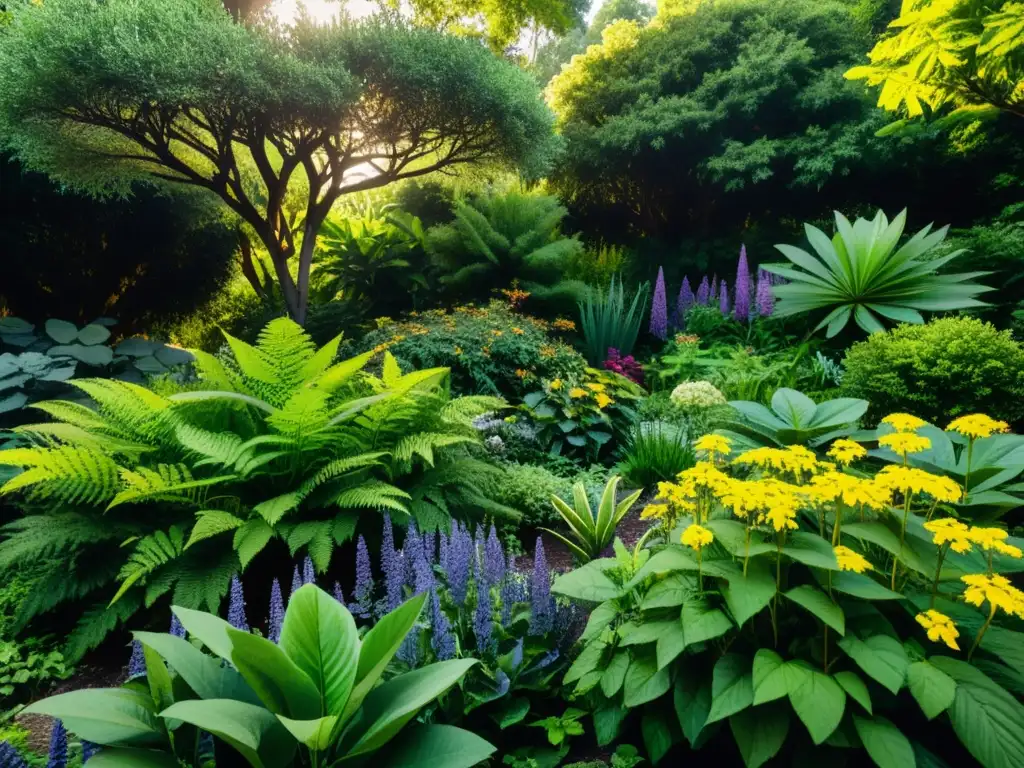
608 323
861 274
793 419
591 535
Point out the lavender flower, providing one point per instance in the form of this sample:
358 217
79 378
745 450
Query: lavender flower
9 757
58 757
494 559
765 300
236 607
420 574
723 301
137 663
338 594
89 750
296 582
176 627
460 554
684 302
430 547
393 566
409 651
703 291
659 308
714 288
514 590
442 551
441 639
363 594
742 305
276 612
308 573
541 603
478 551
483 623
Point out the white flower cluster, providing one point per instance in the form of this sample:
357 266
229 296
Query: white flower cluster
697 394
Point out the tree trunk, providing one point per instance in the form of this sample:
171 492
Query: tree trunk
289 292
309 232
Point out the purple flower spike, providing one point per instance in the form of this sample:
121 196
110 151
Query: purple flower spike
684 302
441 639
421 575
308 572
703 291
714 288
89 750
442 551
742 307
236 607
483 621
494 559
460 556
176 628
363 595
723 300
430 547
137 663
58 757
541 602
765 299
276 612
659 308
296 581
9 757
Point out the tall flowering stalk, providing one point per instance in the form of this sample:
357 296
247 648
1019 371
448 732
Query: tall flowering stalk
684 302
308 573
137 663
9 757
339 595
236 607
89 751
741 308
442 640
659 308
176 628
276 619
420 572
723 298
363 594
296 581
765 299
714 288
494 559
541 603
460 556
703 291
483 629
58 757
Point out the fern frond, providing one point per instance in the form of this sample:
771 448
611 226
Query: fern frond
288 348
252 361
167 482
52 434
66 580
69 473
96 623
372 495
302 416
250 540
462 410
72 413
149 553
203 580
130 411
210 523
221 449
424 444
340 467
36 538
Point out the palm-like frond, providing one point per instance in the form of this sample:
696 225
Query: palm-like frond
68 473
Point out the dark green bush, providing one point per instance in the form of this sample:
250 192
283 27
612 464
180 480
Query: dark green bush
949 367
529 488
490 350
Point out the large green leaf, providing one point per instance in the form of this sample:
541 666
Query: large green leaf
819 702
205 675
257 735
114 757
884 742
320 636
732 688
773 677
820 604
855 688
644 680
987 719
933 688
283 687
658 733
760 733
436 746
701 622
749 594
669 592
390 706
211 630
589 583
864 587
692 700
810 549
880 656
109 716
793 407
315 734
614 674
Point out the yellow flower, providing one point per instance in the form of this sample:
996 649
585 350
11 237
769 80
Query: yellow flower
940 628
903 422
977 425
697 537
704 474
556 384
521 373
905 442
714 444
794 459
851 561
845 451
947 530
656 511
458 351
997 590
496 332
577 392
595 387
781 517
564 325
517 331
994 540
908 480
603 400
739 496
547 351
853 491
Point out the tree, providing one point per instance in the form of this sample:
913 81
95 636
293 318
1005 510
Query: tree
968 54
103 94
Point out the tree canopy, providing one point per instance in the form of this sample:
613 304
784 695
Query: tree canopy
100 95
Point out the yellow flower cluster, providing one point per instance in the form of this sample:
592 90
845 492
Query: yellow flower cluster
795 459
949 531
714 445
994 540
577 392
697 537
904 443
851 561
940 628
561 324
555 384
908 480
996 590
847 451
977 425
903 422
852 491
603 400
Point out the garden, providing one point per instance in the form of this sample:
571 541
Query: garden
453 384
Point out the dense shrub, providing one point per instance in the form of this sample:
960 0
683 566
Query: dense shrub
529 488
490 350
951 366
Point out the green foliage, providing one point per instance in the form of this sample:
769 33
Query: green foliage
290 99
599 266
655 451
965 54
312 696
949 367
861 274
583 418
608 324
27 670
794 419
491 350
499 238
278 443
529 488
560 727
592 534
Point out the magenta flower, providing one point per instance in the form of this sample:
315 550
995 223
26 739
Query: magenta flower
703 291
723 299
764 300
742 305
